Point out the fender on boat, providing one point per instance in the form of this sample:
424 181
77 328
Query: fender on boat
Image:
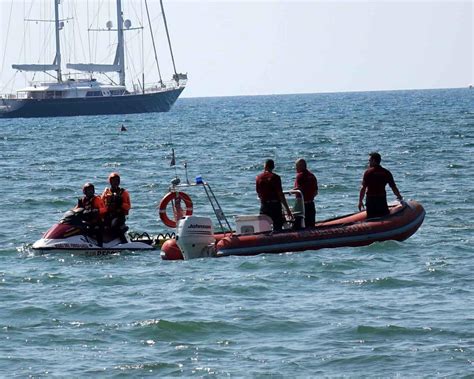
352 230
170 251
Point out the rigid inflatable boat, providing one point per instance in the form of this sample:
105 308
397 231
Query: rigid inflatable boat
352 230
195 237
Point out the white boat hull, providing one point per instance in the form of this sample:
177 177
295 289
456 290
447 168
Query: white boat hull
84 245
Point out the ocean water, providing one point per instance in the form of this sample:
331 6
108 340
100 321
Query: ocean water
392 309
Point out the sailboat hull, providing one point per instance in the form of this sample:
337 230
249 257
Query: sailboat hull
107 105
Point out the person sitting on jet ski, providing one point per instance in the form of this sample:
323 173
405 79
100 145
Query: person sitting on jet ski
117 203
94 212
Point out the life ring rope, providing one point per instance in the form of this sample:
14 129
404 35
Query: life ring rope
175 198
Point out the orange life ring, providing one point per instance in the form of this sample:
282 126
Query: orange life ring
175 198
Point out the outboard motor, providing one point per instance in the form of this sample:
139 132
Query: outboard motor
195 237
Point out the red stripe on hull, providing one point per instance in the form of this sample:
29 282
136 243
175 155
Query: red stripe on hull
345 231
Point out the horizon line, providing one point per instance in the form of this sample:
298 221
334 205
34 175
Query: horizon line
469 86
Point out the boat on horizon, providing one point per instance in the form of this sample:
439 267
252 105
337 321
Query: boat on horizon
73 95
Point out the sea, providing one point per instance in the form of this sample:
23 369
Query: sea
391 309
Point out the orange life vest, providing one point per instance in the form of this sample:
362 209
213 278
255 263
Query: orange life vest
117 201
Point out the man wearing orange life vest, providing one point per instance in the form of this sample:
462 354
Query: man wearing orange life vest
117 203
93 213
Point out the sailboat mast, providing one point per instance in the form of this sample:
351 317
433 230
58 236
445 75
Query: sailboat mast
120 46
57 59
153 43
169 40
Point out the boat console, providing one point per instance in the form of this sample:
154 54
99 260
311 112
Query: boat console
252 224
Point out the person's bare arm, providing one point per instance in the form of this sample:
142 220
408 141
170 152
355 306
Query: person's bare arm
396 192
363 189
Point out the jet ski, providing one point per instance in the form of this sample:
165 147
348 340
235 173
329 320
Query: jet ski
73 234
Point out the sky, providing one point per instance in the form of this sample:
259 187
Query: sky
278 47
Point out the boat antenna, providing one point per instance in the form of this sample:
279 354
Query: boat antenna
186 171
154 46
173 162
176 77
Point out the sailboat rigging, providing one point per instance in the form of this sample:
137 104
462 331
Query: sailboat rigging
72 96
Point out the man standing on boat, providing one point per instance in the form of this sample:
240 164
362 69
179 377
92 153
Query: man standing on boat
93 212
270 192
373 188
117 202
307 183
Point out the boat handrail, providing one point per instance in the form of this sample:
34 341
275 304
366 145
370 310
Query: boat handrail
211 197
8 96
299 201
159 86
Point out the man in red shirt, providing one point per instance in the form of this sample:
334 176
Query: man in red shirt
373 187
270 192
307 183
